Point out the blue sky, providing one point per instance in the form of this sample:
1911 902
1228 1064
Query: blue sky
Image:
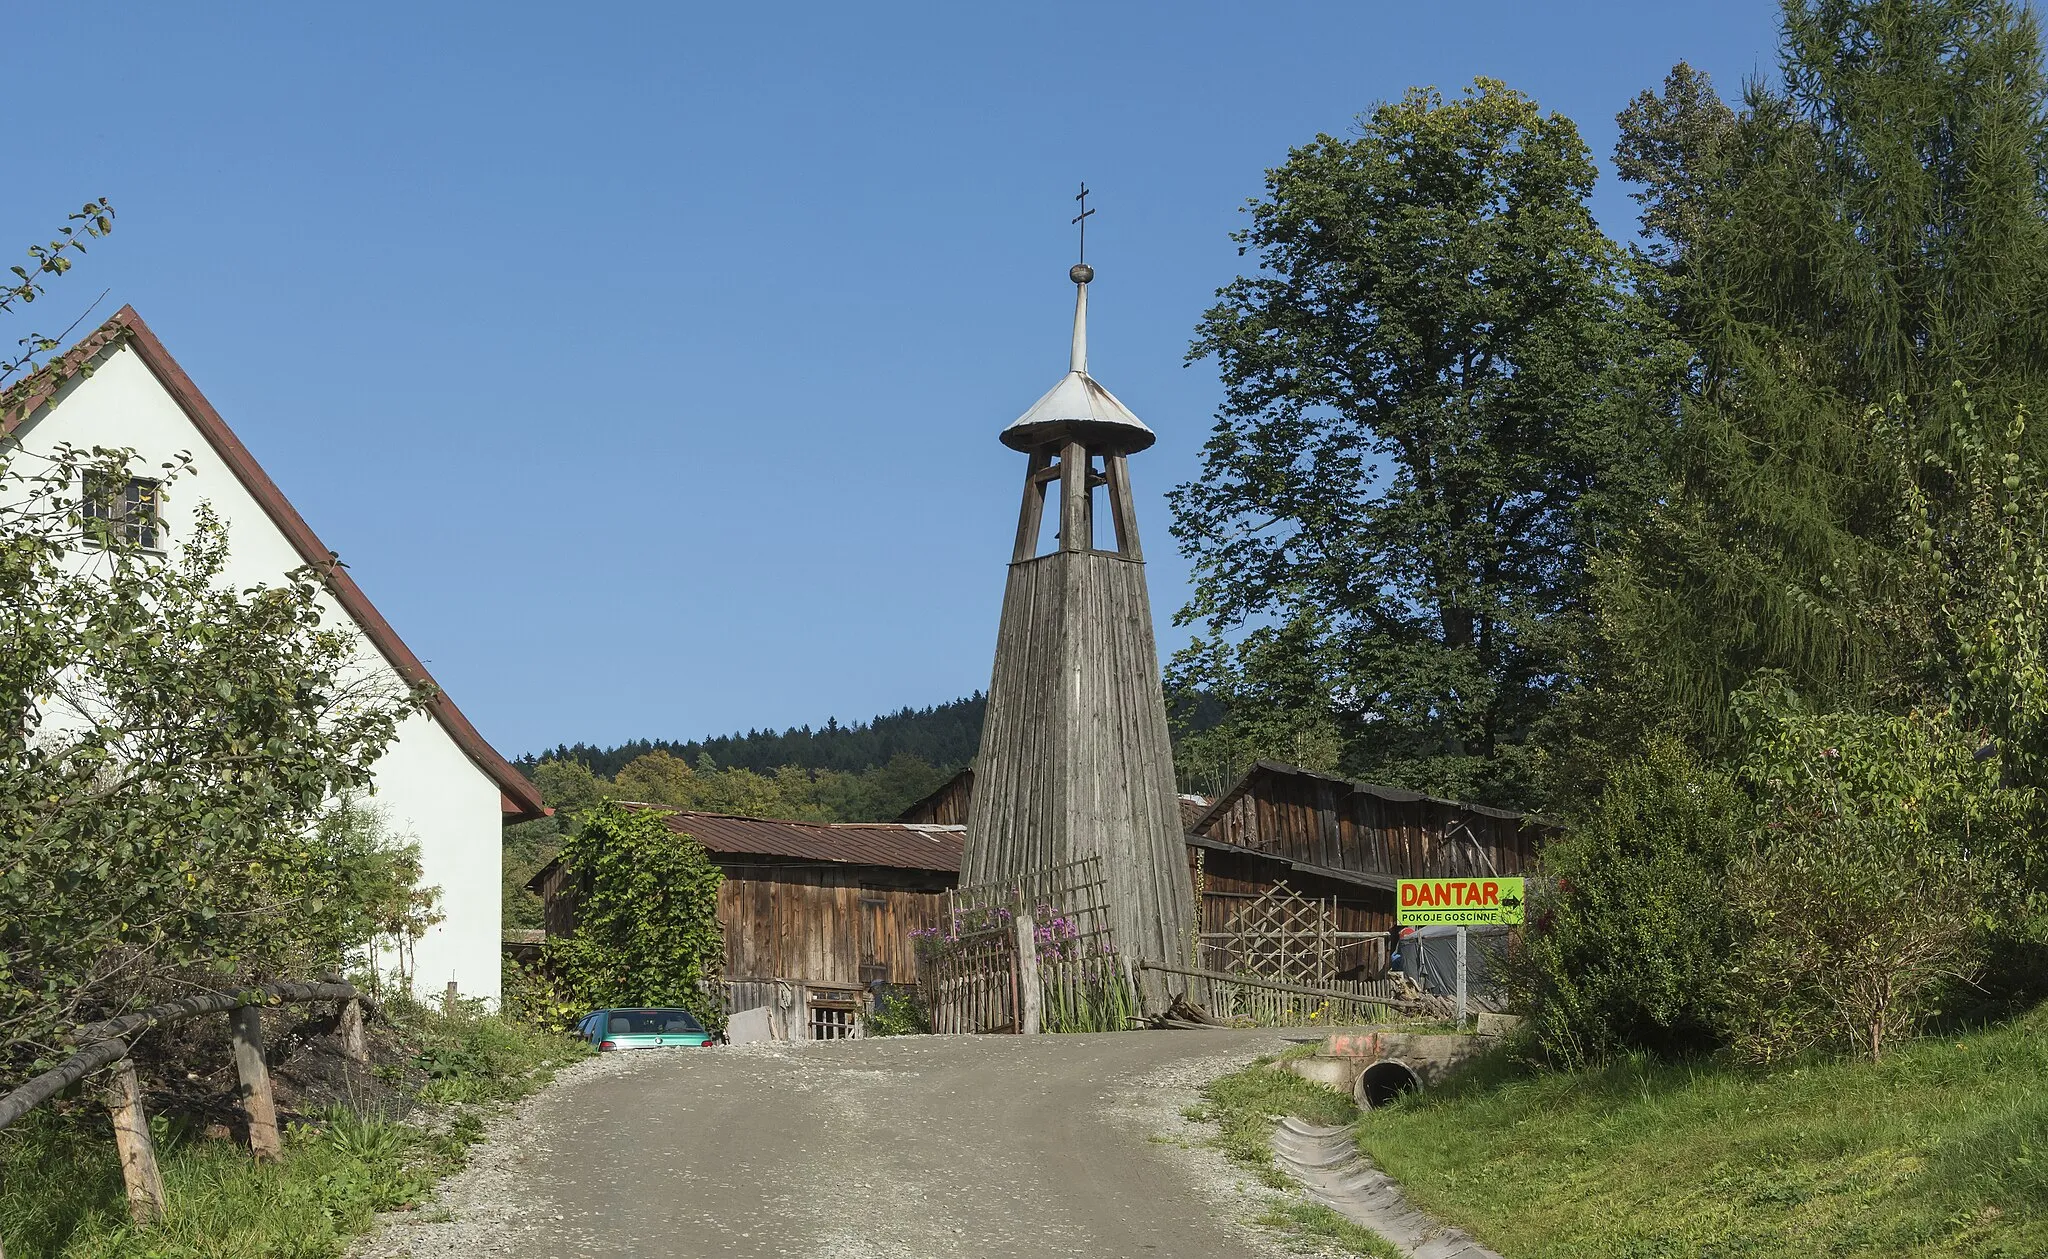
646 363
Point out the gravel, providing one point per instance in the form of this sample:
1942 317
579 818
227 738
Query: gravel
899 1148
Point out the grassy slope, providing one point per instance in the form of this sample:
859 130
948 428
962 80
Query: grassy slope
1942 1150
60 1184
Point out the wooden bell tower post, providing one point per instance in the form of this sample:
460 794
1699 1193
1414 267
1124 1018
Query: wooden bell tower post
1075 759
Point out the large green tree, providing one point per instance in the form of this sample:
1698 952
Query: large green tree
1437 389
1842 253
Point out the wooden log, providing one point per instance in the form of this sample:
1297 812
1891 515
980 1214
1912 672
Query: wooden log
131 1138
1029 1011
211 1003
1401 1003
258 1102
42 1088
355 1042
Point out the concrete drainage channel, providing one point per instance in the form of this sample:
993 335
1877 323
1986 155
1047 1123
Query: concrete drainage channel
1375 1067
1327 1162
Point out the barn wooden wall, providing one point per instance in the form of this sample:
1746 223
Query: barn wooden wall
1227 882
823 925
1328 822
947 806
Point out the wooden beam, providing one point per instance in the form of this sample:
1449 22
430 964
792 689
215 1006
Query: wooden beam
1333 994
1032 513
258 1102
1077 527
42 1088
1121 509
349 1027
1028 992
131 1137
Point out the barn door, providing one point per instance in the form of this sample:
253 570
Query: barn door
874 937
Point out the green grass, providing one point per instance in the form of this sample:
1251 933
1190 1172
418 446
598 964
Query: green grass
1941 1150
1311 1226
60 1182
1244 1106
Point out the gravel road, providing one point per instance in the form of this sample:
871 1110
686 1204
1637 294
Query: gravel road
900 1148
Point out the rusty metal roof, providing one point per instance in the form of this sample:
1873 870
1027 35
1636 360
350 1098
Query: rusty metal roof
903 845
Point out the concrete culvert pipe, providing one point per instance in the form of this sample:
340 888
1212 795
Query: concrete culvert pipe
1384 1081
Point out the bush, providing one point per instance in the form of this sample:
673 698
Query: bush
647 929
1864 897
898 1013
1628 941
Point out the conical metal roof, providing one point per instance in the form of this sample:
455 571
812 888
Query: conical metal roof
1078 408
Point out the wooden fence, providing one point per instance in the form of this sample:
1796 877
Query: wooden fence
1032 952
1270 1003
106 1044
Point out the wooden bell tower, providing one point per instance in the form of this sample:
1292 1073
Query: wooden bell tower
1075 759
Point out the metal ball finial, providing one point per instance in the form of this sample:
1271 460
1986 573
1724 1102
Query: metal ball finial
1081 273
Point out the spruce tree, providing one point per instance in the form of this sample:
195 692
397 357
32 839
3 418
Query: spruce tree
1842 253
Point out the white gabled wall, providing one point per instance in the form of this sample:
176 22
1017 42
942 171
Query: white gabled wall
427 788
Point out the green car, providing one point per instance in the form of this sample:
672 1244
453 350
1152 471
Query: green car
644 1029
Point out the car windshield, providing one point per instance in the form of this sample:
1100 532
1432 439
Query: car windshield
651 1022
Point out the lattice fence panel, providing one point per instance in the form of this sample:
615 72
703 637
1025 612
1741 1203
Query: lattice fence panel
1281 936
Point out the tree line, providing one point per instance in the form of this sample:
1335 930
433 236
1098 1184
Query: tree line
946 735
1725 542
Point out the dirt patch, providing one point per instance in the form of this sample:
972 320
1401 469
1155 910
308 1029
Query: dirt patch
188 1075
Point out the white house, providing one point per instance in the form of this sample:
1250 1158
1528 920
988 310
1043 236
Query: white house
439 784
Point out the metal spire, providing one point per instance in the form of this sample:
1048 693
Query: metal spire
1080 274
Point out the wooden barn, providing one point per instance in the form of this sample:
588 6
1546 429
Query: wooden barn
1346 843
946 806
813 913
816 914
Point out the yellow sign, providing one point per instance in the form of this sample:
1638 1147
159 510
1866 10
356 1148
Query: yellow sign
1459 902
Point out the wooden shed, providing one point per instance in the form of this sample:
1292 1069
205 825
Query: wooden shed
1345 842
814 907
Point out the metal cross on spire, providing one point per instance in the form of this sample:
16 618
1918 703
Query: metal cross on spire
1081 220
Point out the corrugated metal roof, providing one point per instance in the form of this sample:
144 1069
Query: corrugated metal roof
903 845
1078 408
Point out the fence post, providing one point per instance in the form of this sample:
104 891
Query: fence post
257 1101
1461 978
448 1001
1029 994
131 1137
354 1042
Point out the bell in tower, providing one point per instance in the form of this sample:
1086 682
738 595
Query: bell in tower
1075 760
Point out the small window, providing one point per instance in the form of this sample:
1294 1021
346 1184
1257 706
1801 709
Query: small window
129 504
